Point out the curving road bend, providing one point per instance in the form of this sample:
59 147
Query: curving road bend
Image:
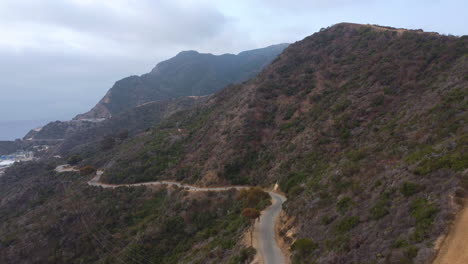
269 249
264 229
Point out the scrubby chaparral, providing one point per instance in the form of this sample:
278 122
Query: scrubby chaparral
363 128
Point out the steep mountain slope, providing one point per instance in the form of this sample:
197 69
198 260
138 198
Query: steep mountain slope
364 127
188 74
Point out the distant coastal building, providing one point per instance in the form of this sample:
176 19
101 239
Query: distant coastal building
18 156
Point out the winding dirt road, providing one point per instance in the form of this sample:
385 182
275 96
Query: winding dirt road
264 230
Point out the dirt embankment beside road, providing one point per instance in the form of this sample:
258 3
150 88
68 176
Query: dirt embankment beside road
454 248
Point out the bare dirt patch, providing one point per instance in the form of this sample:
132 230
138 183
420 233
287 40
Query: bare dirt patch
454 248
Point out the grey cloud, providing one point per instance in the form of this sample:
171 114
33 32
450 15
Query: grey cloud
141 22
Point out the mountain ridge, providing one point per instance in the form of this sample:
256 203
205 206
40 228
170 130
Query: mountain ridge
188 73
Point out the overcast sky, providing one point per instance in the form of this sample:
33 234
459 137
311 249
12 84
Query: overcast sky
59 57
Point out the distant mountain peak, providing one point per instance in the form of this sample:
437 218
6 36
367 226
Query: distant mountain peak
188 53
189 73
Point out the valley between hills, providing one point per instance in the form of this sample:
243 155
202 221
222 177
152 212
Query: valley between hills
361 127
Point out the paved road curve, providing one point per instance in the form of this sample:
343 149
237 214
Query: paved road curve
264 229
269 249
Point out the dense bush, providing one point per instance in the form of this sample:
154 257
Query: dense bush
254 198
304 245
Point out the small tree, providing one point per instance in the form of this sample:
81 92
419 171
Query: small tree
304 246
254 198
86 170
251 214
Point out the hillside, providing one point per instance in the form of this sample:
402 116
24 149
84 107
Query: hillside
363 127
188 74
46 217
69 136
127 123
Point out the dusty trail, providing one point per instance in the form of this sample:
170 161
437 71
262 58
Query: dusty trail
264 231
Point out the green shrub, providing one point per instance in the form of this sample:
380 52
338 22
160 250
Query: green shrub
389 91
343 204
399 243
379 210
424 213
304 246
247 254
347 224
456 162
254 198
289 113
419 154
409 188
296 190
411 252
293 179
326 220
341 106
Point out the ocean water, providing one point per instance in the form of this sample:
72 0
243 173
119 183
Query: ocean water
11 130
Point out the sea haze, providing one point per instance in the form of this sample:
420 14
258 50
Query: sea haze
13 129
